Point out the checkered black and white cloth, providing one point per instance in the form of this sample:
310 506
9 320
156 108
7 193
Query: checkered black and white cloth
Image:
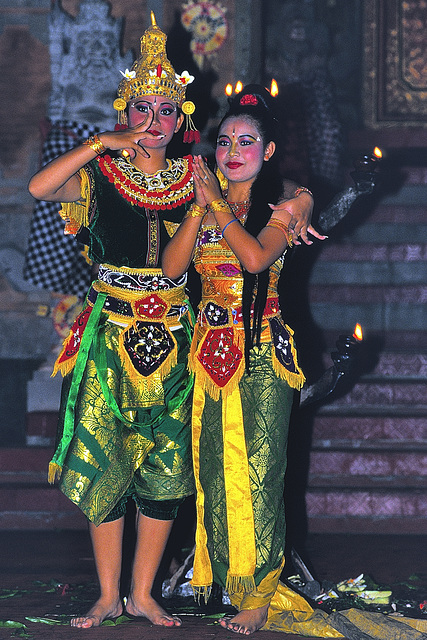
324 131
53 260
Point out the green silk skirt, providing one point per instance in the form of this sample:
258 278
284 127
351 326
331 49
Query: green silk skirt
266 406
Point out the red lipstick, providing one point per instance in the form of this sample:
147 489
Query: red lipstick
233 165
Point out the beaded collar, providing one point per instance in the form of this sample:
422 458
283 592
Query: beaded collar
165 189
240 209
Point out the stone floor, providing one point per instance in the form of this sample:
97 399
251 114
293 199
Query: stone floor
51 575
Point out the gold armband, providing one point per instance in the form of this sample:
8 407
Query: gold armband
195 211
278 224
95 144
220 206
301 190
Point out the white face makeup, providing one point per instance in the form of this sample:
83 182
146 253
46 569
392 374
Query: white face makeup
162 113
240 150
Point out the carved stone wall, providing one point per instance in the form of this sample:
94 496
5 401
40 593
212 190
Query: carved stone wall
395 88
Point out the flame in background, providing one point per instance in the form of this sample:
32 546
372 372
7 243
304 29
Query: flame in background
358 333
274 88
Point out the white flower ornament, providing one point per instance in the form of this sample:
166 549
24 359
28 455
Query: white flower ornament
185 78
155 74
129 75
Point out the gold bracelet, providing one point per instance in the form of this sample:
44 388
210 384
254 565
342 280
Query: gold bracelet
301 190
195 211
278 224
220 206
95 144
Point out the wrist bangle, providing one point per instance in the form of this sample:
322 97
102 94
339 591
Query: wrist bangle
301 190
195 211
233 220
220 206
95 144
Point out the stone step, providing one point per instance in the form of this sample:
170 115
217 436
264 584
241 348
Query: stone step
363 294
369 462
400 214
351 444
43 520
398 339
40 504
367 511
408 396
394 367
345 251
390 430
390 410
326 482
20 459
27 501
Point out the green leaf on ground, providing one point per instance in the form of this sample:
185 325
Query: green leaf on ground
43 620
112 623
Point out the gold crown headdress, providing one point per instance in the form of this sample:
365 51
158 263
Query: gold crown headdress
153 74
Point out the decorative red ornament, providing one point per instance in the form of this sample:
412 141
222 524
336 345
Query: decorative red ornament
249 98
191 135
150 307
120 127
173 196
159 70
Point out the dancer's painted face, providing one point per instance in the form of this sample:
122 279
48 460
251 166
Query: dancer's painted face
240 150
163 114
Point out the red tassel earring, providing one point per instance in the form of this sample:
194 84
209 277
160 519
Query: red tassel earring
191 133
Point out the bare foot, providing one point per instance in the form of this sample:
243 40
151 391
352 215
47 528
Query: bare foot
98 613
247 621
150 609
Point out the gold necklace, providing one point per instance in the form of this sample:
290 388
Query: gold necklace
239 209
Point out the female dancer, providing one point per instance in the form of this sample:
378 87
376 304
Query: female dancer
243 357
124 429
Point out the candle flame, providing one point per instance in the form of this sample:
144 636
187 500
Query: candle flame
358 333
228 89
274 88
238 87
378 153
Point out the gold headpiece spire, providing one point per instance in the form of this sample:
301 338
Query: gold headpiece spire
152 73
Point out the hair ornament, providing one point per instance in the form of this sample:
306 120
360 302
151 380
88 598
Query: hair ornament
249 98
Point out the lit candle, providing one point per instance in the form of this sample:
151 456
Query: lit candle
377 153
274 88
238 87
228 89
358 333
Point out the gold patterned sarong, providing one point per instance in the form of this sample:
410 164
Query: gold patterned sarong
125 406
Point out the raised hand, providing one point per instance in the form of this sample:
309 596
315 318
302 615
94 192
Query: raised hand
206 185
296 214
130 140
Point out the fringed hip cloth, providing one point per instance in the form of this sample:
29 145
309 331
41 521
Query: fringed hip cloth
125 405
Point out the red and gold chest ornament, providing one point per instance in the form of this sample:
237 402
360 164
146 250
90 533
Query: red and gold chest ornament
165 189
